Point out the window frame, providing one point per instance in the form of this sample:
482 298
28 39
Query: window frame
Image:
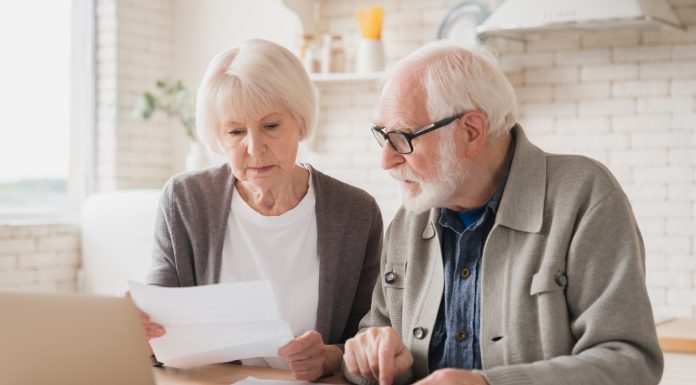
80 181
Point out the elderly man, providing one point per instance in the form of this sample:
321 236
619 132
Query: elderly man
507 265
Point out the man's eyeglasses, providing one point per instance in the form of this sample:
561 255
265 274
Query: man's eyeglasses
401 141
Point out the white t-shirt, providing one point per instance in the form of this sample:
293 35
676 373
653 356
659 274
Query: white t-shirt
282 249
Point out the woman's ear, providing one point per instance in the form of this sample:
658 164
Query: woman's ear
473 128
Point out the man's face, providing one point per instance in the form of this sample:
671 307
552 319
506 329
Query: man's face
431 174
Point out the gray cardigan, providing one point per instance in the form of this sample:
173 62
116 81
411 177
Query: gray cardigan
563 296
190 230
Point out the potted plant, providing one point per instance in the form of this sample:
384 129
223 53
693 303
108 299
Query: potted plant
172 98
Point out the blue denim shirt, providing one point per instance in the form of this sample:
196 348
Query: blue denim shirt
455 338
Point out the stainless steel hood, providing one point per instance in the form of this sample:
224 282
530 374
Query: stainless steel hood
517 18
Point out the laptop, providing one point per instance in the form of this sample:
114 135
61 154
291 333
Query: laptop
71 340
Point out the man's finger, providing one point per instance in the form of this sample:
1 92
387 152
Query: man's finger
402 361
361 359
349 360
385 359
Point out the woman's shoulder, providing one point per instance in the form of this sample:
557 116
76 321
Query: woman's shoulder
331 189
204 182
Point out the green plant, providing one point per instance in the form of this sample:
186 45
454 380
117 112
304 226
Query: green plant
174 100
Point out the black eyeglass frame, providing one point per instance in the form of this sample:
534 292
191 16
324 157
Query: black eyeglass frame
409 136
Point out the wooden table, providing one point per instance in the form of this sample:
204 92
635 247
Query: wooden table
226 374
677 336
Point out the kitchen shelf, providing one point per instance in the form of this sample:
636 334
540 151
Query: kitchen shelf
332 78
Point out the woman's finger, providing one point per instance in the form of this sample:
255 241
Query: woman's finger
308 364
302 344
307 375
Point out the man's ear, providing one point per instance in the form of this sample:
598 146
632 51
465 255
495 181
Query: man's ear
473 128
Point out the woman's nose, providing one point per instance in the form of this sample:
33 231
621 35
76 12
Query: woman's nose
254 143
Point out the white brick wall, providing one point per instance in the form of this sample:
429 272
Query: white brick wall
42 257
134 41
626 98
133 49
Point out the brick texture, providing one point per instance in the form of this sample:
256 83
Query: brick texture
626 98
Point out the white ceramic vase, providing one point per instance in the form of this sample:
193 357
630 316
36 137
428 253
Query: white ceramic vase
370 56
197 157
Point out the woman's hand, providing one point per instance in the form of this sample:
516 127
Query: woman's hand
309 358
152 330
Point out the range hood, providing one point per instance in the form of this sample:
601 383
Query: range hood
517 18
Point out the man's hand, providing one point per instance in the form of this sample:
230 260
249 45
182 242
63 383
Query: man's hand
309 358
377 354
454 377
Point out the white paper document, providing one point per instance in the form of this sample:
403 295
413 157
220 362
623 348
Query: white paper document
256 381
213 323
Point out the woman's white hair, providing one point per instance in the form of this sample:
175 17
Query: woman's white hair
456 79
250 81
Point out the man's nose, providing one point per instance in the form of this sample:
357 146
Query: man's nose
390 158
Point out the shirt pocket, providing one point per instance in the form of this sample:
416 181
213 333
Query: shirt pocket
547 280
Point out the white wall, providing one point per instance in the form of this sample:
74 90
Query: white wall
39 256
133 50
204 28
626 98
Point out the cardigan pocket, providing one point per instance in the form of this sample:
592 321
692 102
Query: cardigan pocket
548 279
393 284
394 274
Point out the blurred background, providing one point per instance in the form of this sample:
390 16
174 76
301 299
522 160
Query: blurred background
80 168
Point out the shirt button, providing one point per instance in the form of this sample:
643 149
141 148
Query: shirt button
390 277
419 332
561 279
461 335
465 273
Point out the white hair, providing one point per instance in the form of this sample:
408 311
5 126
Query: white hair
250 81
458 78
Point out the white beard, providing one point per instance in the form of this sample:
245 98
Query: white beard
435 192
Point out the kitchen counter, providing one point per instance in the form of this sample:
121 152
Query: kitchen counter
677 336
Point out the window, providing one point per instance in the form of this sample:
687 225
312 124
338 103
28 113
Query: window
45 98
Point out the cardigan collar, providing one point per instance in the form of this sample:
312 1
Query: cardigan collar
522 204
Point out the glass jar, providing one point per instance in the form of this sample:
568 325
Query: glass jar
309 54
333 56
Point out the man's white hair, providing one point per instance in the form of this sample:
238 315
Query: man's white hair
458 78
250 81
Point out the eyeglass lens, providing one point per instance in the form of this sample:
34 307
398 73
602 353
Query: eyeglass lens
400 142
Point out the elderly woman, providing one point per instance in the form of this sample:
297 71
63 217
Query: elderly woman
262 215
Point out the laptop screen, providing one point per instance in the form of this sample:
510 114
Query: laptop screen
71 340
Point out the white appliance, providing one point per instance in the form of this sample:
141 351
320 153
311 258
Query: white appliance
516 18
117 235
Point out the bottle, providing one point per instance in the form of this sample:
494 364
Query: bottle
333 56
303 42
310 59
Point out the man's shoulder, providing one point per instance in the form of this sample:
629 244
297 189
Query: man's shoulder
407 225
579 176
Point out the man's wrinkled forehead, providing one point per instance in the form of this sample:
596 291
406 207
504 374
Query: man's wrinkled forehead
402 103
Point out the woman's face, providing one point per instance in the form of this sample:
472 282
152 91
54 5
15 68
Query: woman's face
261 151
